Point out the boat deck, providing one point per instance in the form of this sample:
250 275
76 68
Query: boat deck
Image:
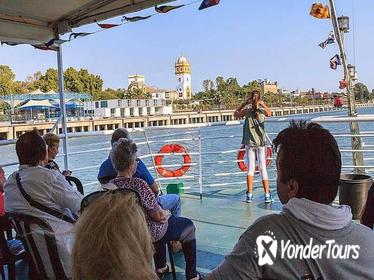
220 218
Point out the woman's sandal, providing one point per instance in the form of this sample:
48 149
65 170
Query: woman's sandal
165 271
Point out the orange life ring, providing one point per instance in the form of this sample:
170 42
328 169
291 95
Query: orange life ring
241 163
172 148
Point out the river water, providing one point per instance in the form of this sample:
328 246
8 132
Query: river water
218 146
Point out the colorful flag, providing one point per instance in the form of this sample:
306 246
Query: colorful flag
329 40
55 42
133 19
79 34
208 3
335 61
45 48
106 25
9 43
165 9
343 84
319 11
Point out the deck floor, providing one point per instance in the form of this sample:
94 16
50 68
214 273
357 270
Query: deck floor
220 218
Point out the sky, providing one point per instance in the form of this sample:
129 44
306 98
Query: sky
245 39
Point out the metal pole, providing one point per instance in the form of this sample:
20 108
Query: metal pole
62 107
200 165
357 157
153 159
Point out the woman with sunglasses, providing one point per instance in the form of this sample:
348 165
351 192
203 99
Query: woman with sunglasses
162 225
112 240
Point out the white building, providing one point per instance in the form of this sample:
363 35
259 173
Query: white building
183 75
136 80
127 108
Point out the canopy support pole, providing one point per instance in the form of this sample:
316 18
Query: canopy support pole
62 107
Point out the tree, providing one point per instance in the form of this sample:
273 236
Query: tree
48 81
73 81
361 92
6 80
208 85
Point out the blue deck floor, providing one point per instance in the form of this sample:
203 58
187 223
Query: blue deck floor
220 218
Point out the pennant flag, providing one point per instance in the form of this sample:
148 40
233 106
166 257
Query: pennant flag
208 3
335 61
329 40
55 42
45 47
166 9
133 19
106 25
9 43
79 34
343 84
320 11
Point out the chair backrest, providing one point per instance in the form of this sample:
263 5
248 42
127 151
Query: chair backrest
23 225
5 234
74 181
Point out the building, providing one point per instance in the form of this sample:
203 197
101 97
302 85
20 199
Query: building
136 81
268 86
183 76
127 108
158 93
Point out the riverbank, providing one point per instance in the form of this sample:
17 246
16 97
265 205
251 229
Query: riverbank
92 126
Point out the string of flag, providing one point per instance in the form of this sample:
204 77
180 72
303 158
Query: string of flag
163 9
320 11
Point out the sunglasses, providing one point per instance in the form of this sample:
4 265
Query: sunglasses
88 199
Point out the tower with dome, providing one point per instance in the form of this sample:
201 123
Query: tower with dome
183 75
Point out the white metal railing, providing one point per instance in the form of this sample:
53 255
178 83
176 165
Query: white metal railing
202 174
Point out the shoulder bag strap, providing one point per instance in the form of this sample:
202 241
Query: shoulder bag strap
40 206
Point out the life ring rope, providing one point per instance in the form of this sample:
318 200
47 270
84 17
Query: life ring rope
168 150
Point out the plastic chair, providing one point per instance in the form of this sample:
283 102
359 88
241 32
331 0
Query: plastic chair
23 225
11 249
74 181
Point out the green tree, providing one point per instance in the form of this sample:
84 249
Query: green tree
6 80
361 92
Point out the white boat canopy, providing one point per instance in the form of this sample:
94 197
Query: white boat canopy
39 21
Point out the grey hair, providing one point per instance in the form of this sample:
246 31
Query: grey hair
118 134
123 154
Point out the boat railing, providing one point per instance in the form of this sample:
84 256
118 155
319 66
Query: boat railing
211 167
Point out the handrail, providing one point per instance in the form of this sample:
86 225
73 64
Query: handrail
208 175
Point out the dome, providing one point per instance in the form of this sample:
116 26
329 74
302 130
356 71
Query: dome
182 60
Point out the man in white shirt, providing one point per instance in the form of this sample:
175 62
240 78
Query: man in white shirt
47 187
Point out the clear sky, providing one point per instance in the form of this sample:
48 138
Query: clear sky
247 39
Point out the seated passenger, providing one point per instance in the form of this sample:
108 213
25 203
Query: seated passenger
367 217
107 173
310 238
47 187
112 240
163 226
53 143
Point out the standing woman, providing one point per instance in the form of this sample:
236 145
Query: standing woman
254 137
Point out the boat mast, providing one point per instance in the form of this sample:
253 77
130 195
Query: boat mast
357 154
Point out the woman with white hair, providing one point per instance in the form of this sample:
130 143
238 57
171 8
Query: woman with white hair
162 225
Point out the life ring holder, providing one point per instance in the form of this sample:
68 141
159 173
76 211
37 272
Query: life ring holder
169 149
